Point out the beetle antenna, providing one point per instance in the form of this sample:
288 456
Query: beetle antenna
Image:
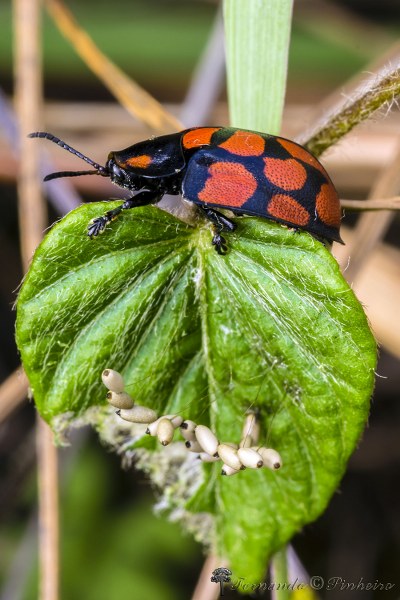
100 170
59 174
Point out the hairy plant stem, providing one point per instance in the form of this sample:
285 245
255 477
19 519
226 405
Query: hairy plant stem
384 91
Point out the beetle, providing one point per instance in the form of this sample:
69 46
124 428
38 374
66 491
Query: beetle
221 167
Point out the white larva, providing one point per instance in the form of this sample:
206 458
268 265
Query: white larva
227 470
138 414
193 446
165 431
207 439
272 459
232 445
187 430
246 442
229 456
113 380
152 428
251 428
176 421
207 457
250 458
119 399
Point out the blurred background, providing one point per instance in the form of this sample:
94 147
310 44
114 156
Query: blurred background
112 545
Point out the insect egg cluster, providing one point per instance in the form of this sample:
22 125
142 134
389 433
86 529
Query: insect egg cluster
198 438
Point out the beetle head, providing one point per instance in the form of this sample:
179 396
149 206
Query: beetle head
121 176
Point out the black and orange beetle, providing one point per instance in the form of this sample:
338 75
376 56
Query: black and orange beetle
244 171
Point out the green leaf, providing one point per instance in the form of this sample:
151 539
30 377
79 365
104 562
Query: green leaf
257 46
272 324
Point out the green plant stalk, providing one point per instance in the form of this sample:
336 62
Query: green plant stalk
280 575
384 91
257 47
257 43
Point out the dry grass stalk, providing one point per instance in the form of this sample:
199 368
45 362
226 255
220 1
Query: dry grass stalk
48 512
378 287
371 228
134 98
372 205
28 84
366 99
12 392
205 588
33 220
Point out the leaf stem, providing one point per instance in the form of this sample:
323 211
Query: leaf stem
279 574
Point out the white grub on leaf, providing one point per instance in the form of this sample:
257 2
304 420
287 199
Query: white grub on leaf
251 430
228 470
187 430
250 458
152 428
204 457
119 399
165 431
207 439
176 421
272 459
113 380
229 456
138 414
193 446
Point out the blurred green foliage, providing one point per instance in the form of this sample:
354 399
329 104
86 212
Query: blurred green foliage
158 43
113 548
155 42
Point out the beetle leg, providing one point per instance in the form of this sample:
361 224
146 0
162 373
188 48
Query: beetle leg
143 198
219 242
221 223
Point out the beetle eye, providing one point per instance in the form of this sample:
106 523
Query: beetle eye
116 170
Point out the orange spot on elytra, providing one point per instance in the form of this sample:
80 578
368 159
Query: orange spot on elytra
328 206
286 208
244 143
141 162
287 174
299 152
229 184
198 137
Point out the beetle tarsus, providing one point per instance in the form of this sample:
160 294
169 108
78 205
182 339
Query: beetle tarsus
98 225
220 243
221 223
294 229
